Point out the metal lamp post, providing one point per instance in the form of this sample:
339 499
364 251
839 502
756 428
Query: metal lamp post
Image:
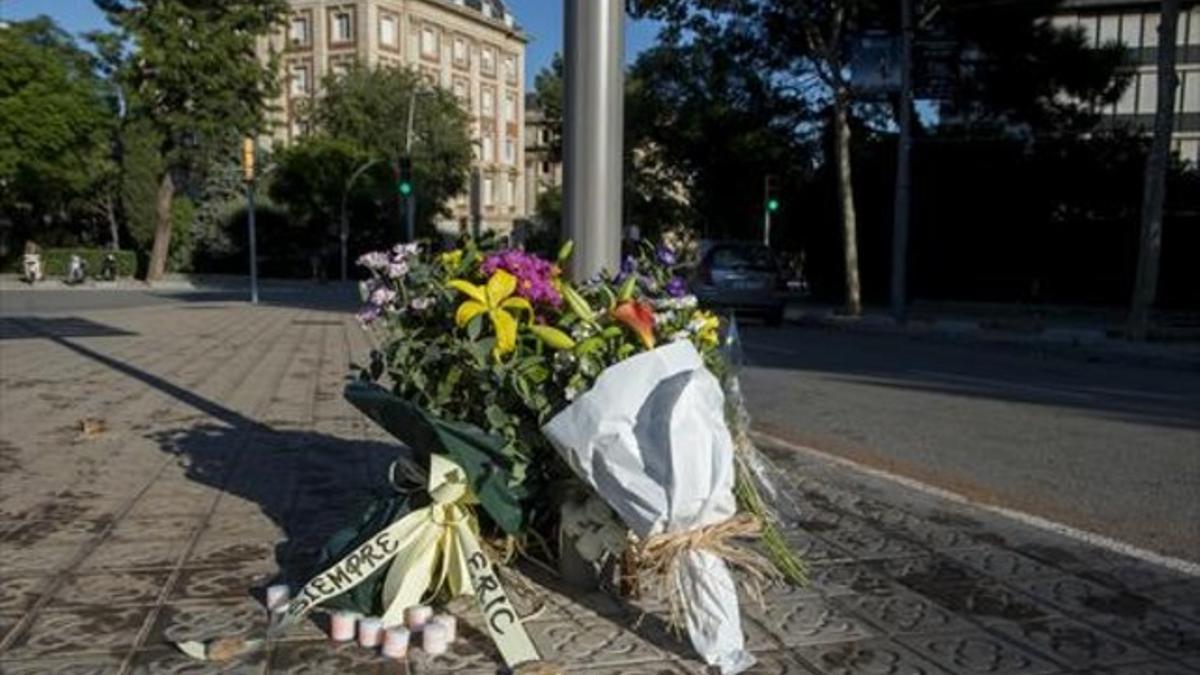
249 152
593 133
344 230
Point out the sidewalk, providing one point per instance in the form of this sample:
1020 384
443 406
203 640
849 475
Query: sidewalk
228 456
1081 332
197 283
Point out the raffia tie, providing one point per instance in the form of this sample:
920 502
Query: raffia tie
659 557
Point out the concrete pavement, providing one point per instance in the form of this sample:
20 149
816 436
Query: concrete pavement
229 455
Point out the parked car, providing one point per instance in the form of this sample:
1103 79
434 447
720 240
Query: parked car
743 277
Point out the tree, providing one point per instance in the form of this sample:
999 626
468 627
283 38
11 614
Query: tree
311 183
55 118
196 79
367 109
1154 192
549 88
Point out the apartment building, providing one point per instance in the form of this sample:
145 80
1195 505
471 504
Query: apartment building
542 171
474 48
1134 23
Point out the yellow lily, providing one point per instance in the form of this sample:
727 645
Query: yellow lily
496 300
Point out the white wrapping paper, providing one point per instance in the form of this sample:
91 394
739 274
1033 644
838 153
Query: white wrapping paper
650 437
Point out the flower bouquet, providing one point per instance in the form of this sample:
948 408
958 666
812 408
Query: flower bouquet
508 383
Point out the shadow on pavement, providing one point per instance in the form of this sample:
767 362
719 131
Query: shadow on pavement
24 327
311 485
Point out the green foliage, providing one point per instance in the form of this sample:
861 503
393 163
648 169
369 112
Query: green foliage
312 177
55 261
141 169
367 111
55 116
183 239
550 91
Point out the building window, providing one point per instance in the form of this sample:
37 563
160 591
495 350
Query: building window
298 32
461 93
1147 93
510 69
1150 30
545 168
487 101
298 76
1191 92
343 27
489 187
510 152
511 197
339 67
429 42
389 31
489 149
510 107
460 52
1131 30
1127 104
487 61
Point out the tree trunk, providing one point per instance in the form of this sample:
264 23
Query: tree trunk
114 228
162 228
1154 188
846 198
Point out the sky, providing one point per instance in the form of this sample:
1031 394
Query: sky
542 20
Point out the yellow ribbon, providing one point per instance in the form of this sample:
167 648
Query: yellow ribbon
440 537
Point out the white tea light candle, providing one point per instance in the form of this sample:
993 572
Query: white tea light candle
278 596
342 626
416 617
448 622
395 643
435 639
370 631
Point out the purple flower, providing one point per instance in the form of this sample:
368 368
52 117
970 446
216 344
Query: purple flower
397 269
369 313
628 265
381 296
535 276
401 251
665 255
677 287
376 261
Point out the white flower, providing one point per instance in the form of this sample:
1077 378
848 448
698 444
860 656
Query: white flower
376 261
679 335
570 393
401 251
397 269
421 304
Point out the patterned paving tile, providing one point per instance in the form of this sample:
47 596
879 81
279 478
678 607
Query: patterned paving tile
215 551
17 594
925 570
320 658
811 621
778 663
977 652
179 622
167 661
118 554
1148 668
602 641
91 630
1074 644
222 583
103 664
114 588
652 668
865 542
903 612
836 579
1002 563
986 602
1164 633
867 657
154 528
25 560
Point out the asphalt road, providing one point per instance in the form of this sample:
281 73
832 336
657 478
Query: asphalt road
1112 449
1109 448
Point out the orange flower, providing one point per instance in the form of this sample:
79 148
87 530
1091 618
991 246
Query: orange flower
639 318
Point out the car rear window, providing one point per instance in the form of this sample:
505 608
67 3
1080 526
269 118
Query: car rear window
742 258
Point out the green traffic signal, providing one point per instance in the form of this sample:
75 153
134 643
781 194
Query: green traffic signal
772 204
405 188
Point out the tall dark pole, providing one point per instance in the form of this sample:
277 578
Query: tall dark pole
253 242
902 206
593 133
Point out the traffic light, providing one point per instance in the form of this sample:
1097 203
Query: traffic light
770 199
405 183
248 151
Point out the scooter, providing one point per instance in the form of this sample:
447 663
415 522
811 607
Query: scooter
76 270
31 268
108 268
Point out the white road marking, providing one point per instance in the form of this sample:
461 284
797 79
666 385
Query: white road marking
1091 538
